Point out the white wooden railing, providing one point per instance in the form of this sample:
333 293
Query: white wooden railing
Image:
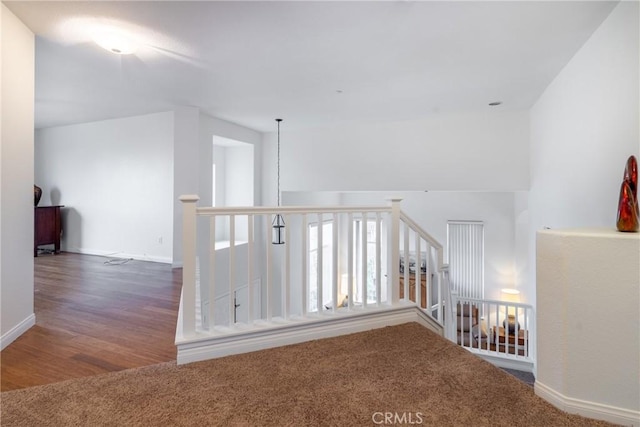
355 263
338 264
502 332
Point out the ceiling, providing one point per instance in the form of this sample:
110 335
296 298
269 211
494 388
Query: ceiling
310 63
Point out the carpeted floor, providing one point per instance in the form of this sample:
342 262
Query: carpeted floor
403 374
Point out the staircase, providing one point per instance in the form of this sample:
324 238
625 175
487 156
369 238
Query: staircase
338 272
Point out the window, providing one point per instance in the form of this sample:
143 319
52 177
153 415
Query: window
465 243
327 264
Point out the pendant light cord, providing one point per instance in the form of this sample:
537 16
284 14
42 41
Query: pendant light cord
278 120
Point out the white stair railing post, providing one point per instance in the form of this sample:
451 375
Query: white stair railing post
450 306
394 286
189 264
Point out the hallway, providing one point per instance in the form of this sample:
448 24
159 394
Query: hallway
94 316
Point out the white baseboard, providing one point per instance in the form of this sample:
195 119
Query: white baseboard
122 255
16 331
599 411
279 333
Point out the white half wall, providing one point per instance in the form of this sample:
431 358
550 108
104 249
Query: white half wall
583 128
588 362
16 178
115 179
483 151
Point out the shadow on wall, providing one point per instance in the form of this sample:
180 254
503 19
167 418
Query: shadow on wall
55 196
71 229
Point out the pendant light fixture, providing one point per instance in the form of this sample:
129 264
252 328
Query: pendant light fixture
278 222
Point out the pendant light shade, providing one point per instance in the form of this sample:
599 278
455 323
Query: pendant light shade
278 222
277 232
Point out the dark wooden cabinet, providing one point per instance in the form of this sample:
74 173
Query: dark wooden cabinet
48 228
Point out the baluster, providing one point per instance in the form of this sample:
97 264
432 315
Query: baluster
527 331
395 248
516 331
506 329
427 278
287 273
250 272
320 259
418 269
334 271
212 271
439 288
350 260
363 256
497 328
378 260
269 244
407 260
303 267
232 269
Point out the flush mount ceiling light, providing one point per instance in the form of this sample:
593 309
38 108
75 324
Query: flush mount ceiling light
115 42
124 38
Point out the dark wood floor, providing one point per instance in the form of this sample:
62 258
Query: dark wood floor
94 317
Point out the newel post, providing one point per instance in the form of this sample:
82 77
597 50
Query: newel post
450 306
189 264
394 273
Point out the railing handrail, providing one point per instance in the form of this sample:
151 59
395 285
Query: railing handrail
427 237
392 214
264 210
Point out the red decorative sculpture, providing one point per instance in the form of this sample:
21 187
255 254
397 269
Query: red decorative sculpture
628 211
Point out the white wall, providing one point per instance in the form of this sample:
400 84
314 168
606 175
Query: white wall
521 247
239 179
16 178
208 128
220 159
583 129
115 179
486 151
193 155
185 172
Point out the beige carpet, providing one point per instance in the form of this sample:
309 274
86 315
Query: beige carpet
405 373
